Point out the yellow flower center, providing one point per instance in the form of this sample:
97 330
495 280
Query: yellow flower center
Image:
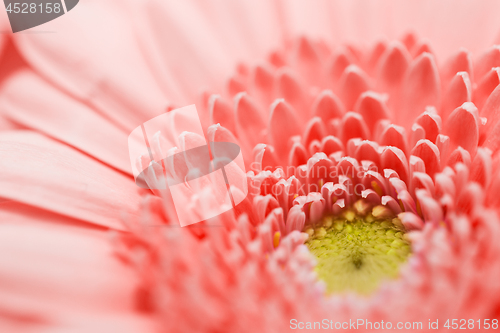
357 253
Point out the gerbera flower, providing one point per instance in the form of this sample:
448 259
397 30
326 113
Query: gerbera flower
372 181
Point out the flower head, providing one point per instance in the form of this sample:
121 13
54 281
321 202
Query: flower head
370 193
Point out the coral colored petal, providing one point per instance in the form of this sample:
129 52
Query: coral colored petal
66 181
492 197
462 128
444 185
127 94
487 61
235 86
431 209
459 92
481 168
424 181
376 53
421 88
264 156
422 47
394 64
411 221
459 155
429 153
339 62
298 155
249 119
417 134
471 198
319 171
331 144
372 107
77 283
431 123
328 106
283 124
458 62
394 158
391 203
353 82
82 127
289 87
368 150
485 87
491 111
353 126
315 130
221 113
263 205
394 135
295 220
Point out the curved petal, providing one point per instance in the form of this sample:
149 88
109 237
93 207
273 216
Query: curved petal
60 277
47 174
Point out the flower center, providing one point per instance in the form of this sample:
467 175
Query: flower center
356 253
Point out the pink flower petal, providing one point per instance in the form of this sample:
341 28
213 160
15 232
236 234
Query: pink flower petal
431 210
416 164
485 87
422 88
458 62
221 113
263 78
424 181
328 106
459 155
94 73
368 150
263 205
392 204
422 46
264 157
235 85
331 144
458 93
353 82
82 128
298 155
339 61
471 199
462 128
315 130
372 107
417 134
482 168
429 153
394 64
249 119
411 221
486 61
64 180
431 123
295 220
283 124
353 126
394 135
78 284
290 88
490 134
394 158
319 171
